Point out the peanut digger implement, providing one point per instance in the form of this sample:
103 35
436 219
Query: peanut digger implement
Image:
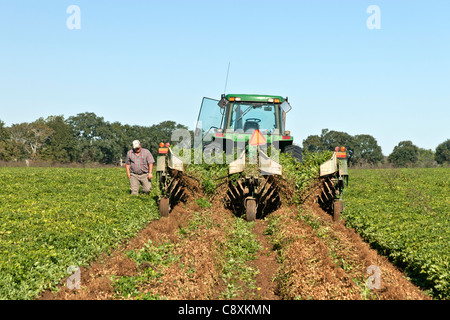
248 127
169 169
333 177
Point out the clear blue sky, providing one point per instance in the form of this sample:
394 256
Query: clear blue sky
143 62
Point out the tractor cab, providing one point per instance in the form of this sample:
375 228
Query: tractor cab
235 117
246 114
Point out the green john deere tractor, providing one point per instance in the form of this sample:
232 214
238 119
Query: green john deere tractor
230 127
248 128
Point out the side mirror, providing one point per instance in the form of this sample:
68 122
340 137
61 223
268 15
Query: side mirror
286 106
223 102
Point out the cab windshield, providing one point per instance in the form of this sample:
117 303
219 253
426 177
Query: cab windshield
247 117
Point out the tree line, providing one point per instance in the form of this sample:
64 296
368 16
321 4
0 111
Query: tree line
88 138
84 138
363 150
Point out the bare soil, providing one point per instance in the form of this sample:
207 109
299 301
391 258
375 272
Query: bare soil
308 256
324 260
96 279
266 263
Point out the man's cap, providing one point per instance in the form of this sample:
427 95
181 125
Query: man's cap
136 144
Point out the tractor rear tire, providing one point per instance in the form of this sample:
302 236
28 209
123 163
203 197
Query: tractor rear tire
164 207
294 151
250 211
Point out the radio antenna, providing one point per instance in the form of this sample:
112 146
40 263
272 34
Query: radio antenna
226 81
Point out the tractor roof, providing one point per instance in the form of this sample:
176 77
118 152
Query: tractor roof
254 98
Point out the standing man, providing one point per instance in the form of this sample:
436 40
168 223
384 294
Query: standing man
139 167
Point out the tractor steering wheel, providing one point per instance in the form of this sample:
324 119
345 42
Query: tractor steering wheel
253 120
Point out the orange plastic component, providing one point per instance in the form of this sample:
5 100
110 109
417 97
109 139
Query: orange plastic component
257 139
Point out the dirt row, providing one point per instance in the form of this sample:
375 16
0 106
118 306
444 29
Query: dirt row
303 255
321 260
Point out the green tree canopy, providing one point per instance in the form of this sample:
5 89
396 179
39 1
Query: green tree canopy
5 146
332 139
61 145
328 140
313 143
404 154
443 152
426 158
4 134
30 136
105 142
361 148
93 138
366 150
